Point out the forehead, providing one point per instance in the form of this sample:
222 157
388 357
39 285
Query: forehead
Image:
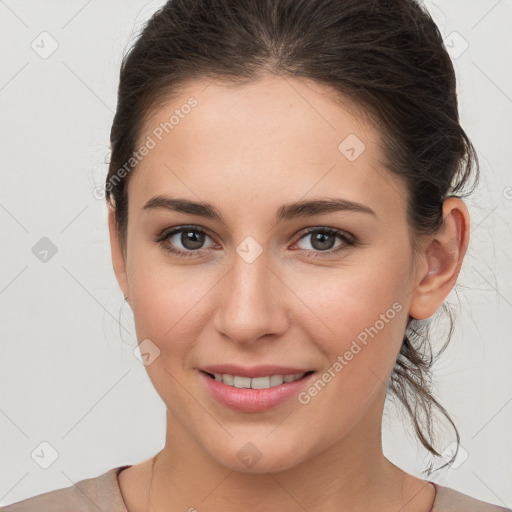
276 139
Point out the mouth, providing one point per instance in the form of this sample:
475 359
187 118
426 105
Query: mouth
254 394
264 382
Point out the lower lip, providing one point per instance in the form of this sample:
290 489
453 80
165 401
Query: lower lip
254 400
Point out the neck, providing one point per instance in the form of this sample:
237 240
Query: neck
352 474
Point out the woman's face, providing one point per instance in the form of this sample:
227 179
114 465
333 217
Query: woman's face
255 290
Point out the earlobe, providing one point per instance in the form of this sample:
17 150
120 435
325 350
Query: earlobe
444 255
118 258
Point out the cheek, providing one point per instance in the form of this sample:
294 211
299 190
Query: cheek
359 310
168 302
366 321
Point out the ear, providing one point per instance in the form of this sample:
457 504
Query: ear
118 258
442 260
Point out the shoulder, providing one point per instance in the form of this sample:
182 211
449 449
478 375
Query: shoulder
88 495
450 500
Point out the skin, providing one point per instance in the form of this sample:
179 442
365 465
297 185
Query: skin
248 150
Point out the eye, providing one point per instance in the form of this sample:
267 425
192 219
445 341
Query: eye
191 238
323 239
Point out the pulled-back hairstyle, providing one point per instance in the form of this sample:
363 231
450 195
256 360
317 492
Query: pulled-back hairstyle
387 56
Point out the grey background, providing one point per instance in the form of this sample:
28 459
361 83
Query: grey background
69 376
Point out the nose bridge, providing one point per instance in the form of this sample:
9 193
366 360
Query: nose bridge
250 305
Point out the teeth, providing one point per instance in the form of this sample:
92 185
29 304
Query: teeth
242 382
227 379
276 380
258 382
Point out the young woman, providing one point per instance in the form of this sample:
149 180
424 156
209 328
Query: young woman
285 213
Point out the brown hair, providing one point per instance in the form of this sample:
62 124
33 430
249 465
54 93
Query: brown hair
386 55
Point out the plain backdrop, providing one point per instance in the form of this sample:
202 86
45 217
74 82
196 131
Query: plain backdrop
74 399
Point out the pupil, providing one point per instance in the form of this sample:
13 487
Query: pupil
192 239
321 237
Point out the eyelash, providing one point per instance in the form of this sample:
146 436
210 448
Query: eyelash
348 240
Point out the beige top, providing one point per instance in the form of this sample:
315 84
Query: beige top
102 494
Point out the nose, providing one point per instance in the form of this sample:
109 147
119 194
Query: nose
252 301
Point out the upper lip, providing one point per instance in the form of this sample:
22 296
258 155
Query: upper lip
253 371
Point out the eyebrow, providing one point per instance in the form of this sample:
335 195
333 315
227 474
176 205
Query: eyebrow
286 212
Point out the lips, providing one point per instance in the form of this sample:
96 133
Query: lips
232 386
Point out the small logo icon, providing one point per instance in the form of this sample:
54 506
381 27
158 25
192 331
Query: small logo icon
455 44
44 45
249 454
449 451
249 249
98 193
351 147
44 250
146 352
44 455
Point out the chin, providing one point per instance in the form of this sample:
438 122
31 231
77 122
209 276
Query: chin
250 459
